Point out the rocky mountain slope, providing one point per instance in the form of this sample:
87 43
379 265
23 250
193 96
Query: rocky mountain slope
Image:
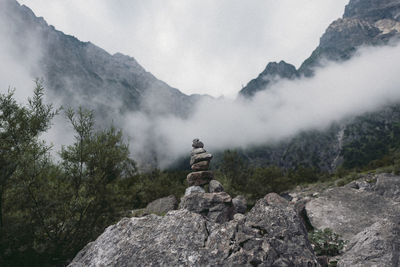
353 142
365 22
77 73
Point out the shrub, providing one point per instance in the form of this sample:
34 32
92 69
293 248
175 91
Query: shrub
326 242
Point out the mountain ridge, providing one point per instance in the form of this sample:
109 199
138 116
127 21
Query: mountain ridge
79 73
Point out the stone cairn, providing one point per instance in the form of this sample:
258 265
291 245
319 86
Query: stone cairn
216 205
200 163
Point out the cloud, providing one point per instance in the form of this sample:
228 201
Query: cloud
206 46
338 91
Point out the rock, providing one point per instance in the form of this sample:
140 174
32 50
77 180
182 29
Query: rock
199 178
240 204
388 186
162 205
347 211
215 187
270 235
200 157
373 10
216 207
201 166
196 151
377 245
197 143
194 189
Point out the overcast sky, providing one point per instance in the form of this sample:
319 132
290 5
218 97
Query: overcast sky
198 46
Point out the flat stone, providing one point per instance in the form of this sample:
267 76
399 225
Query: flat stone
199 178
196 151
201 166
194 189
215 187
200 157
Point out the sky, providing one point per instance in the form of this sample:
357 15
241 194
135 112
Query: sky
198 46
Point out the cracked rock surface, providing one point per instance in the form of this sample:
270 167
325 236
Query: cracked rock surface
271 234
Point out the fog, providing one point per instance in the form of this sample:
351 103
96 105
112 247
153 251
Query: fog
338 91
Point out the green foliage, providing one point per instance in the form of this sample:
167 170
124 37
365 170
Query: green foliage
52 209
326 242
239 178
373 141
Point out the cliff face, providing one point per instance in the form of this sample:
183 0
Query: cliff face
80 73
366 22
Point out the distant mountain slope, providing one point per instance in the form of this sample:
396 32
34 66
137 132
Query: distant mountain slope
273 72
365 22
351 143
78 72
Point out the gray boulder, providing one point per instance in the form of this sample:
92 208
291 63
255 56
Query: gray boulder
377 245
347 211
271 234
194 189
216 207
215 187
162 205
240 204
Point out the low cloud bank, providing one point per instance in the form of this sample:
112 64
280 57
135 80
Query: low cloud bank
338 91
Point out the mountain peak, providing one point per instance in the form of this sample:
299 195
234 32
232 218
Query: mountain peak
373 10
271 74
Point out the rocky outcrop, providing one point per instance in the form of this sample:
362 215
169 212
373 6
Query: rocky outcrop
365 212
271 234
377 245
347 211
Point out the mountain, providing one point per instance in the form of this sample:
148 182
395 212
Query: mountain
357 141
81 73
365 22
273 72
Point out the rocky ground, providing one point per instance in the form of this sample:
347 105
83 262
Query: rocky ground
365 212
208 230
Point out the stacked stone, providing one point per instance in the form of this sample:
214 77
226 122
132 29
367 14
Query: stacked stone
216 205
200 164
